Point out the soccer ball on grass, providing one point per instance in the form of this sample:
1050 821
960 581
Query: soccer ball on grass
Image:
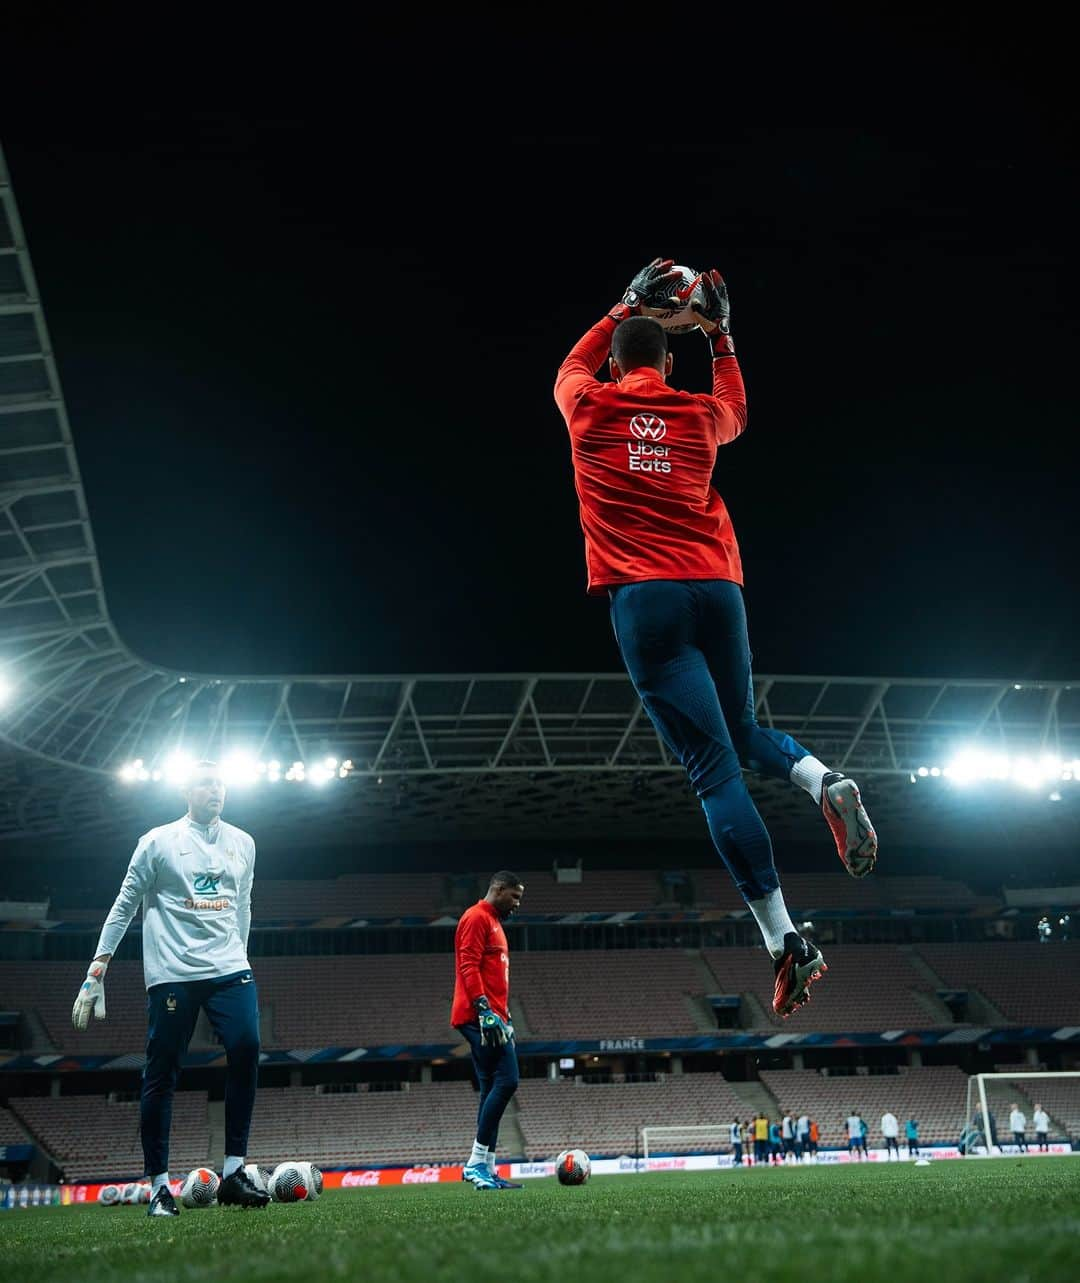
259 1176
573 1167
314 1179
292 1182
200 1187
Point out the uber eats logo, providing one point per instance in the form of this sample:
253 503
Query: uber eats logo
207 883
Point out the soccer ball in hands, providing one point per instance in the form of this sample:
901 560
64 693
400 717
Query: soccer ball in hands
200 1187
572 1167
291 1183
682 319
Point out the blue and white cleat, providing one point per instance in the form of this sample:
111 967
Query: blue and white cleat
502 1183
480 1177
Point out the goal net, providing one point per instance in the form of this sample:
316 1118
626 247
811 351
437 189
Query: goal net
709 1139
990 1097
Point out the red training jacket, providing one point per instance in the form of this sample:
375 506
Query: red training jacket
481 963
643 458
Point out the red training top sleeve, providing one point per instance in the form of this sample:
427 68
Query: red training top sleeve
577 374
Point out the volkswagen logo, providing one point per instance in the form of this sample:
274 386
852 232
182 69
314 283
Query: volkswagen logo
648 427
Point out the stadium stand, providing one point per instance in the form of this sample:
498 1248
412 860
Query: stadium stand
354 1001
49 988
600 891
377 999
934 1096
806 892
425 895
92 1136
605 1118
867 987
425 1123
432 1122
10 1131
355 895
1029 983
608 993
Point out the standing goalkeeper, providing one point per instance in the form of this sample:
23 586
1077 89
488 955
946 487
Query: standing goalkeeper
193 878
660 544
481 1014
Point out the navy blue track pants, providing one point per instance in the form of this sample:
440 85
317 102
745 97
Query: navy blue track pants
232 1007
497 1073
686 649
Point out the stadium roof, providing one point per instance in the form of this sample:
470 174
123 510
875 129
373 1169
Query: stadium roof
430 756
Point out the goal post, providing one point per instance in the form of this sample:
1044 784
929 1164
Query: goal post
976 1126
705 1139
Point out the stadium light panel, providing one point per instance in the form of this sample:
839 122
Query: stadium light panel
971 766
240 770
177 768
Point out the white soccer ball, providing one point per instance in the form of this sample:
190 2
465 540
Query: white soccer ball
573 1167
200 1187
682 319
259 1176
290 1183
314 1179
109 1195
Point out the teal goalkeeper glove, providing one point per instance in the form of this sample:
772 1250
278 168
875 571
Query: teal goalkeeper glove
494 1030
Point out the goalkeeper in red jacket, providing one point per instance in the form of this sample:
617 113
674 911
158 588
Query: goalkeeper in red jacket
481 1014
659 544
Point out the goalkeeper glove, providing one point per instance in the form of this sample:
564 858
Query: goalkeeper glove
91 996
714 311
494 1030
654 287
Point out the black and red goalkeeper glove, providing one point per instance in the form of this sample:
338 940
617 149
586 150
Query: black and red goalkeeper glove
654 286
714 311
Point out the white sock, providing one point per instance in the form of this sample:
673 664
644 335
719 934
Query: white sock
491 1160
232 1164
479 1155
772 917
808 773
156 1182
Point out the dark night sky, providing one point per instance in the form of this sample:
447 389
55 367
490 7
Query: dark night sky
307 341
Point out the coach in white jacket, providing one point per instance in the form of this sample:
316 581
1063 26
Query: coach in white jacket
193 879
1041 1121
1018 1126
890 1131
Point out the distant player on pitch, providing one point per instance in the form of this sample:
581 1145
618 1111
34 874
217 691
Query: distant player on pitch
193 879
481 1014
660 544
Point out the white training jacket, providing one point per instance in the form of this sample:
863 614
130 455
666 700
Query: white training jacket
194 884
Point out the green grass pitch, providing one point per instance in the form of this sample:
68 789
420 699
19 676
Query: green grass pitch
1012 1220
